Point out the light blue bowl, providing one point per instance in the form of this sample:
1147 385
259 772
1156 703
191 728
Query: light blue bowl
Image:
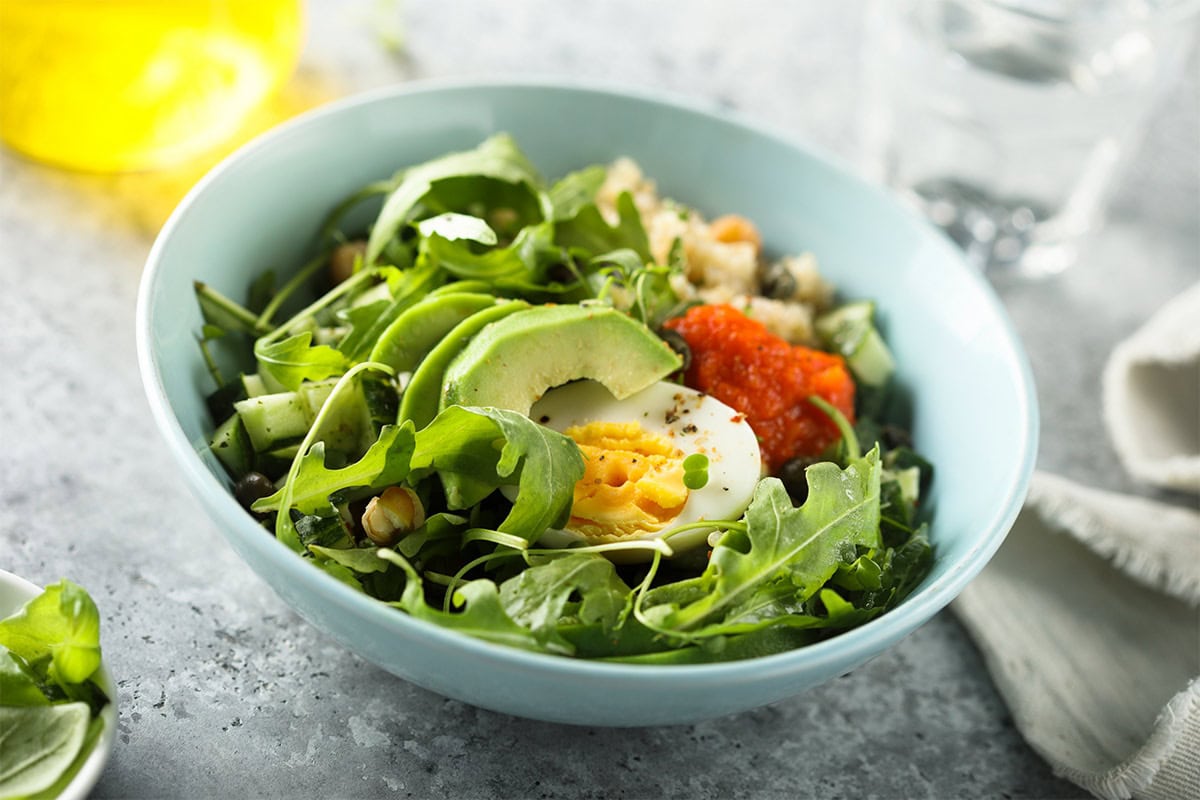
974 410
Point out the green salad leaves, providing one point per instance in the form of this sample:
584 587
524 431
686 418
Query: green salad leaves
343 434
49 700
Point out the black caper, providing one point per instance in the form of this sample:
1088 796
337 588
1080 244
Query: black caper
794 480
777 281
252 486
561 273
679 344
893 436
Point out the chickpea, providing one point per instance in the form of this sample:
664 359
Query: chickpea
392 514
733 228
344 258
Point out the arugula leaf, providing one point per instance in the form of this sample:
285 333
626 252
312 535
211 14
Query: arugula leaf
492 447
349 565
840 613
454 227
386 463
496 159
571 193
224 315
63 624
864 573
583 586
459 260
294 360
439 530
797 549
363 560
589 232
903 567
648 295
521 262
480 612
407 288
754 644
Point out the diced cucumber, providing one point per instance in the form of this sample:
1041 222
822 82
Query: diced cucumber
270 385
315 394
232 447
850 331
382 403
276 423
253 385
910 483
220 403
275 420
276 463
903 458
374 294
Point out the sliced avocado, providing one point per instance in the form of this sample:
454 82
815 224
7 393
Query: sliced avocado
416 331
512 362
419 402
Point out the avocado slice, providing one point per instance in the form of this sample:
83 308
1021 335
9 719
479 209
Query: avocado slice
417 331
419 402
513 361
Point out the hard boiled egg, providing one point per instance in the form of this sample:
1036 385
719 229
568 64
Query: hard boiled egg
634 450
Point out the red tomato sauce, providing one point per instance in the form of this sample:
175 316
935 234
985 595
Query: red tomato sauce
738 361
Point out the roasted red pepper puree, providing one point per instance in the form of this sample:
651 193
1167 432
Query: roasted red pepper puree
738 361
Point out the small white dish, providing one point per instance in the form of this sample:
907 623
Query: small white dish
14 593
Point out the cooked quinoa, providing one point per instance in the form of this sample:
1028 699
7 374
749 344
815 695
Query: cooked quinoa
722 271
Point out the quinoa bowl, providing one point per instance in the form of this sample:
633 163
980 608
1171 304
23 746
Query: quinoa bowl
956 359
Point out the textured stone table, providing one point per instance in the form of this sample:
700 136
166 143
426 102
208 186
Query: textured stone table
225 693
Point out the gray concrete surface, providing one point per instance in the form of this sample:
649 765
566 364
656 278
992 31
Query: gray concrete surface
224 692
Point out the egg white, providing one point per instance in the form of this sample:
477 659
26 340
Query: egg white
694 422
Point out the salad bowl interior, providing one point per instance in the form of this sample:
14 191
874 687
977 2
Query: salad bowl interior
960 366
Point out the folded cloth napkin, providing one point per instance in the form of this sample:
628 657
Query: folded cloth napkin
1089 615
1152 397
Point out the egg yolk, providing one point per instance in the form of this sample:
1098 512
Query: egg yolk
632 483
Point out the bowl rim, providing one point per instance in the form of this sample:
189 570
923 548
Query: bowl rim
93 766
853 646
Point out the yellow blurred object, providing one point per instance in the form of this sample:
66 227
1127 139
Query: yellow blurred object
114 85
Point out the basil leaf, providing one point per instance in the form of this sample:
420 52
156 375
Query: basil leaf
18 687
61 623
39 745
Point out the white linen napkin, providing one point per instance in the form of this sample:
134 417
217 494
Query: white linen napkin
1088 615
1152 397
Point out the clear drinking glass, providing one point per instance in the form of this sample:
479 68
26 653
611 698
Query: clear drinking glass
1006 121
